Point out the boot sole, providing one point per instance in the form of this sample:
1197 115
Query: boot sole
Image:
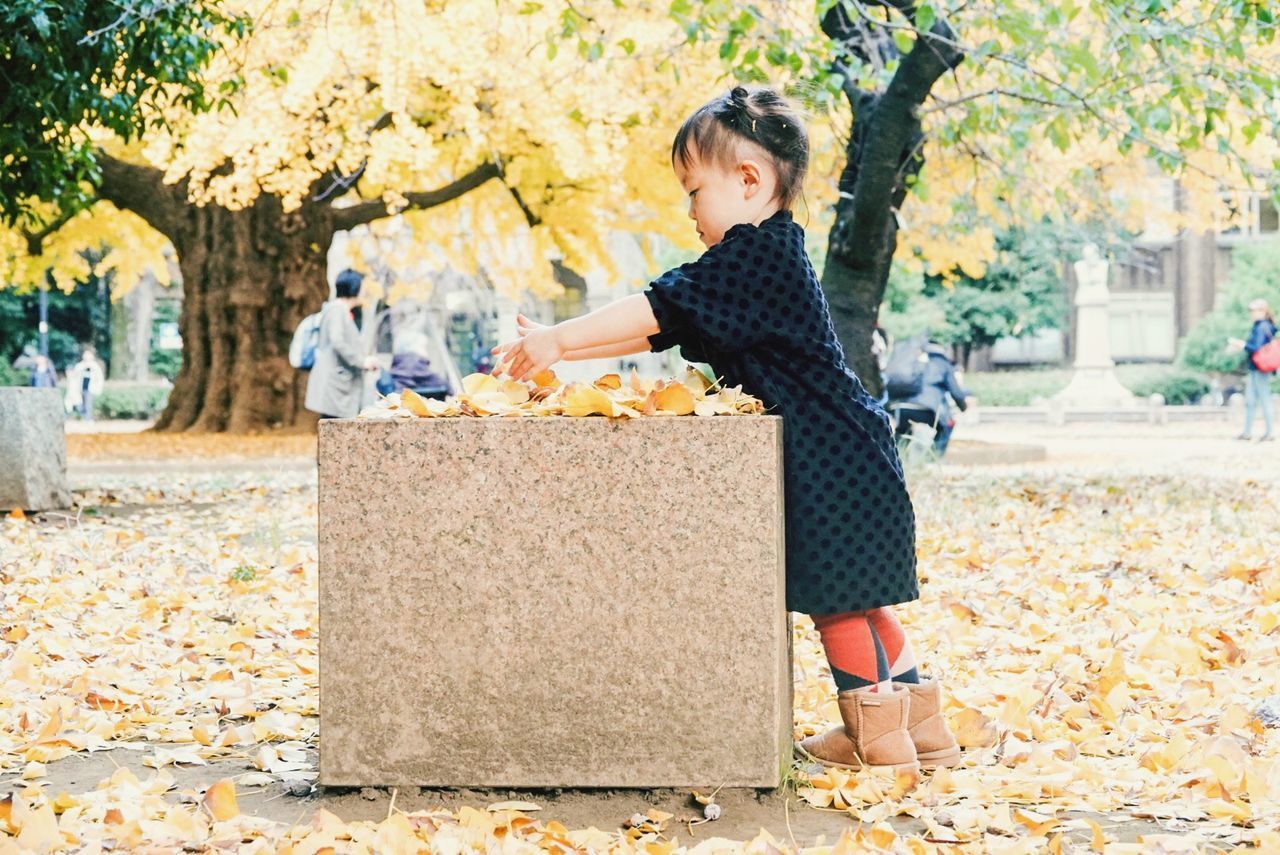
888 771
946 757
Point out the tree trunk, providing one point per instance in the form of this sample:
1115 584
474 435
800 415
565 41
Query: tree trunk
859 259
249 277
884 150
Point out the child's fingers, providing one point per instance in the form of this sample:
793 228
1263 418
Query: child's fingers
507 347
531 368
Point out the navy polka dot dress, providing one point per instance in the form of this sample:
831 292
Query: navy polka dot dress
751 307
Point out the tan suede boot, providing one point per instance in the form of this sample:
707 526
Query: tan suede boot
935 746
874 735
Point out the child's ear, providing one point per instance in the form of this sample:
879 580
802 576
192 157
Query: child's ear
749 173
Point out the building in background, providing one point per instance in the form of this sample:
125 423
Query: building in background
1163 285
1169 280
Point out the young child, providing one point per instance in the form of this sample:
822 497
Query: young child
752 308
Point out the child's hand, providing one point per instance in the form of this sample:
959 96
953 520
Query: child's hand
537 350
524 326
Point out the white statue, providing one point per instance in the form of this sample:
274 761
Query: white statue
1091 270
1093 384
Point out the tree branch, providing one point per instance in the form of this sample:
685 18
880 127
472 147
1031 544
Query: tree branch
893 126
141 189
367 212
35 240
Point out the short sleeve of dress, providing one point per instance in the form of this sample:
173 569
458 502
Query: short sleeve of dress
716 302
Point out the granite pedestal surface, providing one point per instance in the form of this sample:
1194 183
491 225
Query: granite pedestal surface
553 602
33 450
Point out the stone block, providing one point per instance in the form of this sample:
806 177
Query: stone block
553 602
33 449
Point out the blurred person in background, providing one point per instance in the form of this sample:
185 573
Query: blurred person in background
1257 390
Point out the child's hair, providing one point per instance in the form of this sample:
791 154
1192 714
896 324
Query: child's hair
757 115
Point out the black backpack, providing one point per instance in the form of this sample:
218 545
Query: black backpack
904 375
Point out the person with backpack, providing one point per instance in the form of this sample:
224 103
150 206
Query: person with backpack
921 382
336 386
1262 358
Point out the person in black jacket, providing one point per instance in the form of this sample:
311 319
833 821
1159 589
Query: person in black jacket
931 405
1257 394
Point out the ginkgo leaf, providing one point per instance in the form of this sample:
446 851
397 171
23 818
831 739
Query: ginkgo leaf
582 400
220 800
414 403
38 830
608 381
973 729
675 398
474 384
546 379
516 393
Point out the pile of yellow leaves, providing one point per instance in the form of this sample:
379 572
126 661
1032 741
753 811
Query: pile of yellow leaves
485 395
1105 642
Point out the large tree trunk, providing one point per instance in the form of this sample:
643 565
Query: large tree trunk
249 277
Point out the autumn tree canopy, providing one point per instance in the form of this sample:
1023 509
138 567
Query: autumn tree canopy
514 132
960 118
501 136
72 64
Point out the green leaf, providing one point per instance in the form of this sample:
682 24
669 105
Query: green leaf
628 45
904 40
1160 118
925 17
1056 132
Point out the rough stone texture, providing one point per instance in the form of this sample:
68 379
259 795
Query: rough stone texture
553 602
33 450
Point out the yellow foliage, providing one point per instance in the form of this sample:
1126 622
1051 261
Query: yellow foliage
412 95
134 248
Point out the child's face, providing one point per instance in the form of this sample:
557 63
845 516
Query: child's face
721 198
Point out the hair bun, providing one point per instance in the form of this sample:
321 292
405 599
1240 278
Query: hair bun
739 95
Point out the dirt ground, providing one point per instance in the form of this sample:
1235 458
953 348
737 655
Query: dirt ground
745 811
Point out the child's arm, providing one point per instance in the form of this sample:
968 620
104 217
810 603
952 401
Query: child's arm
524 326
625 320
604 351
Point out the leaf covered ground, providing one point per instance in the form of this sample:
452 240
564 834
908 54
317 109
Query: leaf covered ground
1109 643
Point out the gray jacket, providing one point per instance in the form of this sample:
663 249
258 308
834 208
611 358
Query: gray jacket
939 384
336 384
